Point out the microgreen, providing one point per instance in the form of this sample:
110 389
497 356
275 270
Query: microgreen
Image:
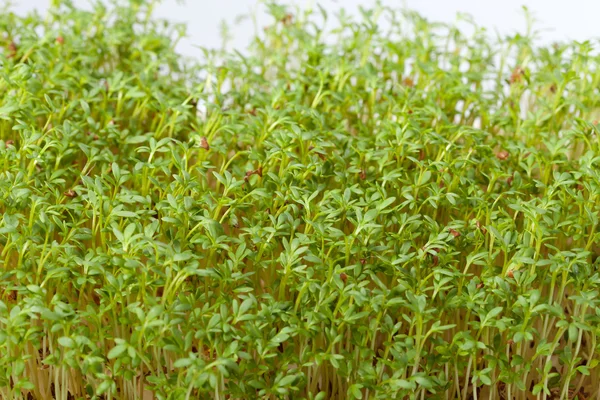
376 207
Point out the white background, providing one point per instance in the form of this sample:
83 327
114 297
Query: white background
558 19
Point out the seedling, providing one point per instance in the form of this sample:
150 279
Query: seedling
377 207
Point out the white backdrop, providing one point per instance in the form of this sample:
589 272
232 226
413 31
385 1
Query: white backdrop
559 19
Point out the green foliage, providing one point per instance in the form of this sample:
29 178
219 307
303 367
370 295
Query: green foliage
353 212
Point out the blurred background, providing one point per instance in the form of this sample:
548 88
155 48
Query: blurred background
556 19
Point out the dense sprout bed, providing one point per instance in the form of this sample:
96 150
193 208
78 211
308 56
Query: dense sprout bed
386 208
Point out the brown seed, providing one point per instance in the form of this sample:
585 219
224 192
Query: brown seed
421 155
502 155
9 142
510 274
480 285
510 342
204 143
509 181
435 260
12 49
253 172
70 193
481 227
363 261
454 232
410 111
580 187
516 75
287 20
408 82
343 277
363 174
60 40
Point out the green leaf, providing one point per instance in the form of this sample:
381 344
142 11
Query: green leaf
355 391
66 342
182 363
117 351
